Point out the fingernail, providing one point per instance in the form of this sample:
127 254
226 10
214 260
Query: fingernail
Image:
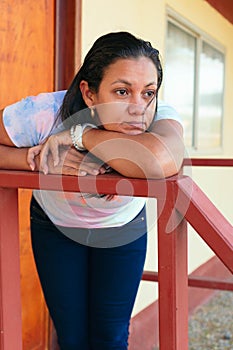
32 167
95 172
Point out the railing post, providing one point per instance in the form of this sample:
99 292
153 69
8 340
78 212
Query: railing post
10 300
172 275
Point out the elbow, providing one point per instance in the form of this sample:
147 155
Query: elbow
163 170
157 169
165 165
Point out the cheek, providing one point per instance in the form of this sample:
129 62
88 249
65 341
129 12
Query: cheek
149 115
150 112
111 112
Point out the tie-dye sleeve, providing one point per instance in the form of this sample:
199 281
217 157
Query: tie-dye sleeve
30 121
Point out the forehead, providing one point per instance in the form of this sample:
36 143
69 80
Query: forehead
133 69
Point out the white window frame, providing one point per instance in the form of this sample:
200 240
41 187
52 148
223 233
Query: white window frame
200 36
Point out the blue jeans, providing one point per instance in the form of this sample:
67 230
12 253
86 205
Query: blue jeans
90 292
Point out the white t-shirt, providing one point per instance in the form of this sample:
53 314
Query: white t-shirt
29 122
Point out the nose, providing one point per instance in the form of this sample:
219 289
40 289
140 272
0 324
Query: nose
136 107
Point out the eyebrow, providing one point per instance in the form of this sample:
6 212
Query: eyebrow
128 83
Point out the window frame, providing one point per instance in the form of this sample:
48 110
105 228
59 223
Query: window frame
200 36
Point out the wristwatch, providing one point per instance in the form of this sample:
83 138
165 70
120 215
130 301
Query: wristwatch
76 133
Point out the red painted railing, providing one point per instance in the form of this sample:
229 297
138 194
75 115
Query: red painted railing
179 200
196 281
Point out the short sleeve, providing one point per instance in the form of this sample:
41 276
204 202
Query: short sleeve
165 111
30 121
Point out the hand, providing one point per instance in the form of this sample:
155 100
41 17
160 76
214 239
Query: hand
52 145
72 162
32 153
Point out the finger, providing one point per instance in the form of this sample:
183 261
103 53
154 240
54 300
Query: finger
54 149
102 170
32 153
84 169
96 167
71 171
51 145
73 157
44 158
90 168
87 168
30 161
58 140
82 173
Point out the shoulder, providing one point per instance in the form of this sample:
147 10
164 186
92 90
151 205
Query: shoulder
45 100
30 120
32 107
166 111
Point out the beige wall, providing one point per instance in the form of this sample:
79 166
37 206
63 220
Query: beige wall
142 18
147 18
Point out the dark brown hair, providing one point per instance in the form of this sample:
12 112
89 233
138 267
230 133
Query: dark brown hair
106 50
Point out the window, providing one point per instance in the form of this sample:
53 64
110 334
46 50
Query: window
194 85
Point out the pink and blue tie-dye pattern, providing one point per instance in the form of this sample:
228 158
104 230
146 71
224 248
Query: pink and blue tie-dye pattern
29 122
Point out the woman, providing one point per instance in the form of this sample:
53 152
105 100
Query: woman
91 280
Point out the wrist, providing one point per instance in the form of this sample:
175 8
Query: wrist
76 134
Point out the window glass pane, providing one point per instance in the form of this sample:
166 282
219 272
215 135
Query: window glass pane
179 76
211 97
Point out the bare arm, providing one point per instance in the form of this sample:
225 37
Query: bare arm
155 154
11 157
71 161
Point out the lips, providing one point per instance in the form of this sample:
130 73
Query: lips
136 125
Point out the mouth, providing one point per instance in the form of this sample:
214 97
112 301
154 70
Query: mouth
136 125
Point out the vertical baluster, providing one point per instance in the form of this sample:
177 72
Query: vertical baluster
173 278
10 301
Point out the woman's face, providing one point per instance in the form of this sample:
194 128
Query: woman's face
126 99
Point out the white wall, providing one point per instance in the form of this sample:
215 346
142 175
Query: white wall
147 18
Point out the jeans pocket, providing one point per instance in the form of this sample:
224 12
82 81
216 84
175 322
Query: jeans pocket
140 219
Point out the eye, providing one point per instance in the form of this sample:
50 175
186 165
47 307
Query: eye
149 94
121 92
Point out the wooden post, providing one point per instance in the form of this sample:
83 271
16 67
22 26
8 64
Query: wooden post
172 276
10 300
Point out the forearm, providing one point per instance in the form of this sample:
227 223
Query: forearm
146 155
114 149
130 155
13 158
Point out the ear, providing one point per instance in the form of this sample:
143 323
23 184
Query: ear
87 94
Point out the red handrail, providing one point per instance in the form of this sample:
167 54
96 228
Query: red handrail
218 162
175 195
201 282
206 219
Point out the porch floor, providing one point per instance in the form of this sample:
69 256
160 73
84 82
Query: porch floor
211 325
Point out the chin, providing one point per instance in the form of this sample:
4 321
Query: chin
133 132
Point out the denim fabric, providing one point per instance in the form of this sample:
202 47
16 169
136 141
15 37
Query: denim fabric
90 292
